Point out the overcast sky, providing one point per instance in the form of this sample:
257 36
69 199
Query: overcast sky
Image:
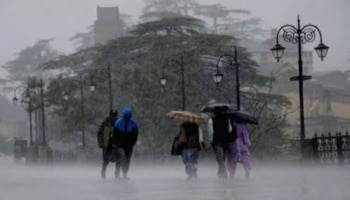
23 22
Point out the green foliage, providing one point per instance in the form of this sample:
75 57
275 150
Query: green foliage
250 29
228 21
83 40
216 12
27 61
182 7
137 62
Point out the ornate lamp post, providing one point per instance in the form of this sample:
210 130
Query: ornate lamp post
164 80
300 35
82 103
27 99
219 76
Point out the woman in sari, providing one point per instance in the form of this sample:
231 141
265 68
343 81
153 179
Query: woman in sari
239 151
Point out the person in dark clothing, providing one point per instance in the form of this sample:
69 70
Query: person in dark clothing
124 139
219 130
104 139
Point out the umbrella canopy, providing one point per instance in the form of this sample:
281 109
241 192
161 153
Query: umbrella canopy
185 116
241 117
219 107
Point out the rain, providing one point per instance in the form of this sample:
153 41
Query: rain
174 99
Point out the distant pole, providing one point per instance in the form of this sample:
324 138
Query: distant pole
43 111
82 111
30 111
299 35
163 79
219 76
238 93
110 87
183 83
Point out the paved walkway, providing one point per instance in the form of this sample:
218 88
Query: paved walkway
20 182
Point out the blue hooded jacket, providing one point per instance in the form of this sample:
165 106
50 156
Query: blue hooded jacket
125 130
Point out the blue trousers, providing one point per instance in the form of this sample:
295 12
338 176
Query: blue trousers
190 159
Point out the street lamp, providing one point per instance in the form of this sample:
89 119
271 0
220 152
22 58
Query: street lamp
92 87
82 106
15 101
28 100
163 79
65 96
300 35
219 76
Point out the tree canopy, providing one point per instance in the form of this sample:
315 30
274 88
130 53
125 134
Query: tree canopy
137 61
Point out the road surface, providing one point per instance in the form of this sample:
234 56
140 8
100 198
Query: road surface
152 182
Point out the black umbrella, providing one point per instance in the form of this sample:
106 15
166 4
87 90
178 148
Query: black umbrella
241 117
217 107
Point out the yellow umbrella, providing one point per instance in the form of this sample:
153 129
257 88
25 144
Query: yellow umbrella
185 116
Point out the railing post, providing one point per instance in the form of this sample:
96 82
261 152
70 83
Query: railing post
340 150
315 148
324 149
346 147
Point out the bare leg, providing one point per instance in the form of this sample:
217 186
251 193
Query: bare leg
232 168
105 162
247 167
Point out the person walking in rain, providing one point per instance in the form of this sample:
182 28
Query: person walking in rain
104 139
124 139
190 140
239 151
219 130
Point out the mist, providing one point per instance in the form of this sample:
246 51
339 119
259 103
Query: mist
25 22
273 181
59 113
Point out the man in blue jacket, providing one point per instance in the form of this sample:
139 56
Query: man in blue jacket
124 139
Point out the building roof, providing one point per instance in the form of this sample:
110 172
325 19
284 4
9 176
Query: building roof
334 79
325 73
253 46
274 68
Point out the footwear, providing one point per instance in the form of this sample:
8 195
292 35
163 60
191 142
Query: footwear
103 175
125 178
116 176
247 174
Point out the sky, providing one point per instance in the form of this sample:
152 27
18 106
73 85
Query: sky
23 22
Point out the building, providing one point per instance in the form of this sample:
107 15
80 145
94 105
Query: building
326 102
13 123
261 53
108 25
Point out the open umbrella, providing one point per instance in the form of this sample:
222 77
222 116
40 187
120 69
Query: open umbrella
220 107
241 117
185 116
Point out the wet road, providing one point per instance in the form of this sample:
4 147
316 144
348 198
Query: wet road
268 182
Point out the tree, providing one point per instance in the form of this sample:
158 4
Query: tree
136 62
216 12
84 40
181 7
243 29
27 62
